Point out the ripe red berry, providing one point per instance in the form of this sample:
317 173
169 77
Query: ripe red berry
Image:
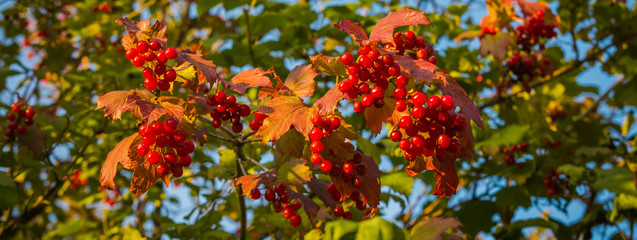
244 110
171 53
335 122
153 157
28 121
421 54
295 220
270 195
336 170
131 53
163 85
432 60
142 46
149 139
149 56
367 100
434 101
9 132
338 211
139 61
419 99
358 107
30 112
147 72
400 105
405 122
316 147
170 158
400 93
150 83
161 57
443 141
160 69
409 35
155 45
180 136
11 116
185 160
404 144
316 134
377 92
237 127
142 149
347 58
279 188
170 75
349 167
395 136
255 193
446 103
326 166
162 169
288 212
348 215
316 158
255 124
170 125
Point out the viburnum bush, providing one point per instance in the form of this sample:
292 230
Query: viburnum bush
386 82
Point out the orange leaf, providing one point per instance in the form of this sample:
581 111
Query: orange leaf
119 154
328 102
384 29
420 70
376 117
417 165
330 66
354 29
117 102
301 80
206 67
284 112
249 182
250 78
144 176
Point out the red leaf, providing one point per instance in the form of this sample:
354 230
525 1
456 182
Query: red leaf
33 139
497 45
328 102
417 166
201 102
250 78
118 155
468 108
301 80
284 112
445 173
144 177
376 117
320 188
354 29
331 66
206 67
384 29
117 102
249 182
530 9
420 70
200 135
141 30
370 188
152 112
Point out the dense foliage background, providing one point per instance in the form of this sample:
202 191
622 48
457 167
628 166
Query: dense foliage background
578 122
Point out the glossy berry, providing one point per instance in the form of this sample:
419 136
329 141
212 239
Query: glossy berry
338 211
185 160
400 105
170 125
335 123
316 158
163 169
255 124
433 60
142 46
139 61
30 113
316 134
155 45
434 101
171 53
443 141
405 122
163 85
326 166
150 83
170 75
131 53
295 220
347 58
279 188
270 195
409 35
316 147
288 212
153 157
446 103
349 167
395 136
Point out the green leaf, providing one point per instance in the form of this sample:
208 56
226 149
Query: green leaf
618 180
8 189
506 136
378 228
513 196
314 234
399 182
433 228
294 173
623 204
574 172
340 229
476 216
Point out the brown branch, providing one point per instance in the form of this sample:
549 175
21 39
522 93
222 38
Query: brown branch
601 98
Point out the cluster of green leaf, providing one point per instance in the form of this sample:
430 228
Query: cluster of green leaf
79 57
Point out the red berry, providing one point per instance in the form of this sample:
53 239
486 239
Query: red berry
348 215
400 93
367 100
147 72
180 136
404 144
358 107
244 110
255 124
432 60
170 75
270 195
279 188
11 116
170 125
9 132
349 167
153 157
142 149
316 147
185 160
443 141
150 83
335 122
161 57
149 56
434 101
288 212
377 92
237 127
347 58
171 53
155 45
405 122
149 139
316 134
316 158
409 35
361 169
400 105
338 211
162 169
255 193
13 125
139 61
163 85
170 158
446 103
419 99
132 53
30 113
326 166
421 54
28 121
142 46
395 136
295 220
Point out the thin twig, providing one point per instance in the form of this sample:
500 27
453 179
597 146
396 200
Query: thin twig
246 16
220 137
601 98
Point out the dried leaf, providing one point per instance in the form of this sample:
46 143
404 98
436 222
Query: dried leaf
200 135
117 102
118 154
152 112
249 182
384 29
284 112
354 29
445 173
417 166
301 80
250 78
330 66
144 177
329 102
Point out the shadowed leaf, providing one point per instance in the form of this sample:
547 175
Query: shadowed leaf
301 80
384 29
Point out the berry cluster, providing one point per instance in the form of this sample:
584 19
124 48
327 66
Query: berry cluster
103 8
525 68
533 29
111 200
351 171
438 120
16 116
257 122
553 183
408 42
336 196
154 57
509 152
551 144
225 108
488 31
323 127
557 114
167 143
280 201
75 181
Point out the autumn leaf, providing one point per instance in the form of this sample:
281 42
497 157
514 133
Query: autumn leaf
418 165
33 139
336 146
370 189
142 30
329 102
470 34
530 9
468 108
496 44
144 177
295 174
445 173
166 106
200 134
433 228
291 143
247 183
319 187
376 117
249 79
284 112
301 80
330 66
206 67
201 101
420 70
384 29
354 29
117 102
118 155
